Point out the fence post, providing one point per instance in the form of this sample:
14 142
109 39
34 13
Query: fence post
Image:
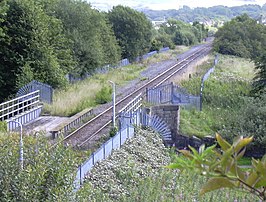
172 91
80 177
120 137
127 132
104 151
201 91
147 92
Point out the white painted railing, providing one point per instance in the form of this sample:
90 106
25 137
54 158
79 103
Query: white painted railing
19 105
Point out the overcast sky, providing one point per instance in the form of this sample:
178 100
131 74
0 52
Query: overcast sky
169 4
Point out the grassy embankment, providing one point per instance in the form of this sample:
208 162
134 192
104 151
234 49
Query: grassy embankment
82 95
137 172
224 94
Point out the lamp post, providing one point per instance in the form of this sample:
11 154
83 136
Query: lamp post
113 84
20 145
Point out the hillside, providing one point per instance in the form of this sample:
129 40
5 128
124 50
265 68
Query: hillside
215 13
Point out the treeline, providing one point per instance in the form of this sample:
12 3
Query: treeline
244 37
201 14
47 39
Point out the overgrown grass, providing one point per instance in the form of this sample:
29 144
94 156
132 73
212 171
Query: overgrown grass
81 95
225 92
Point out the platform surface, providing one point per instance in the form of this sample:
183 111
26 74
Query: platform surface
44 124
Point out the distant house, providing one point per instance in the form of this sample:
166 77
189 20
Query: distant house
158 23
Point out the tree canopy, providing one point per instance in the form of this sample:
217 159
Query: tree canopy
46 40
33 46
132 30
94 43
183 33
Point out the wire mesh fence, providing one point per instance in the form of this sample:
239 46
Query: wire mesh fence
46 91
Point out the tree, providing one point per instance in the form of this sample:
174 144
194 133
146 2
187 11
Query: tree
259 84
35 41
242 36
182 33
222 167
132 30
94 43
3 10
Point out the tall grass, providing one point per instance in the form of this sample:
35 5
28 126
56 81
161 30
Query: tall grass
224 94
81 95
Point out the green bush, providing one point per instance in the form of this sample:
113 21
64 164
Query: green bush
113 131
3 126
48 174
104 95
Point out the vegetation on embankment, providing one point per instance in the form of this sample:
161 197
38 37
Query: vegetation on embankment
228 107
47 174
46 40
97 90
137 172
244 37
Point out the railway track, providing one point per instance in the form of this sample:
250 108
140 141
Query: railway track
97 126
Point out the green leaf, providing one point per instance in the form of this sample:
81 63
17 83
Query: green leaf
236 171
202 149
260 168
173 166
252 178
216 183
261 182
186 153
241 154
242 142
227 159
223 143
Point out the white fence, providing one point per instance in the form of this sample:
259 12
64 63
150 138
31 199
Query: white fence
22 109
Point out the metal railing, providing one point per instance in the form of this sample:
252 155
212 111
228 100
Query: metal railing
19 105
172 94
102 153
129 116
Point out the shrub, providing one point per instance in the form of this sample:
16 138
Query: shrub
3 126
104 95
113 131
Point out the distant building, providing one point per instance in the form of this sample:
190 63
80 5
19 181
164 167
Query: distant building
158 23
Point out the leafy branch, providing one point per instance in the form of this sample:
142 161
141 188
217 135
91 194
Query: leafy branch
221 166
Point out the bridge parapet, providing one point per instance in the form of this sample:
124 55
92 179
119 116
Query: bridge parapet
22 109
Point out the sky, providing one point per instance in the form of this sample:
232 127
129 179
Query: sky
169 4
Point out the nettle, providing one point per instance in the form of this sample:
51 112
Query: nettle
222 168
